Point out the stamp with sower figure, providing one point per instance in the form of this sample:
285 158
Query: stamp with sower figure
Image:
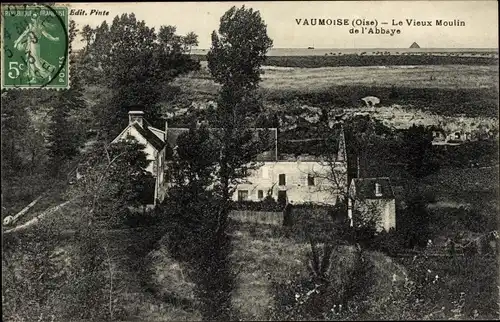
35 47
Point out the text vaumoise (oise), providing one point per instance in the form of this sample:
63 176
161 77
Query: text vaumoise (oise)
374 26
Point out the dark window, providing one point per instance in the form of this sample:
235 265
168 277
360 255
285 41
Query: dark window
310 180
282 179
242 195
260 194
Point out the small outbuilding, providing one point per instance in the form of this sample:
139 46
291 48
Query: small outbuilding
372 198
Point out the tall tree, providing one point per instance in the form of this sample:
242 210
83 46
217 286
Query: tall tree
169 40
113 178
237 53
87 34
190 172
238 50
15 121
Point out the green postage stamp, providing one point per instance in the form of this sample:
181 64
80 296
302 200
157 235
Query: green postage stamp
35 47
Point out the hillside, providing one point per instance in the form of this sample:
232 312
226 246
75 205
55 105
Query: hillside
266 261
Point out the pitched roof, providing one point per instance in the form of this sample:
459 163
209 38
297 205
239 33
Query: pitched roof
365 188
173 134
269 154
149 136
307 141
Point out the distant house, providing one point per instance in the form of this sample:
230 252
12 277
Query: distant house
373 196
154 141
456 137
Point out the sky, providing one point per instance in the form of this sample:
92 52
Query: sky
480 17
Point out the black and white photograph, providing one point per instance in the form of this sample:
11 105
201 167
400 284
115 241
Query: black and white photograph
250 161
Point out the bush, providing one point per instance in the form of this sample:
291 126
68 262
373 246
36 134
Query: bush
267 204
330 292
142 219
390 243
30 278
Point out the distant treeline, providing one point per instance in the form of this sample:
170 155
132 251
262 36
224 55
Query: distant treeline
372 60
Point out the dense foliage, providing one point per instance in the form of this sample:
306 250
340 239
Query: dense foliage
137 61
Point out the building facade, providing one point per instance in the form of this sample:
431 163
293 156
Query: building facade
154 141
372 199
303 180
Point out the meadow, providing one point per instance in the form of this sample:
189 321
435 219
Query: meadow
444 90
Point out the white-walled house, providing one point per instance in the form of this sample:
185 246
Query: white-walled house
298 181
295 181
373 196
154 141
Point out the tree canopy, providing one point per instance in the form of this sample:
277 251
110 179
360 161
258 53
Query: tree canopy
134 62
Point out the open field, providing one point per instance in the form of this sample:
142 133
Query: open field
449 76
445 90
380 59
312 79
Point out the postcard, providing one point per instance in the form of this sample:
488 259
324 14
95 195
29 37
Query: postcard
267 160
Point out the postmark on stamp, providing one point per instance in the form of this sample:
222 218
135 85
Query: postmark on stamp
35 46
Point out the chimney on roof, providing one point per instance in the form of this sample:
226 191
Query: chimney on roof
378 190
136 116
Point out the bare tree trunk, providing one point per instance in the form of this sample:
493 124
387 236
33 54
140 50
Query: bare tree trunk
25 209
37 219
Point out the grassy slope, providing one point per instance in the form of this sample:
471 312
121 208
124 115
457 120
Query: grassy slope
264 257
261 255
